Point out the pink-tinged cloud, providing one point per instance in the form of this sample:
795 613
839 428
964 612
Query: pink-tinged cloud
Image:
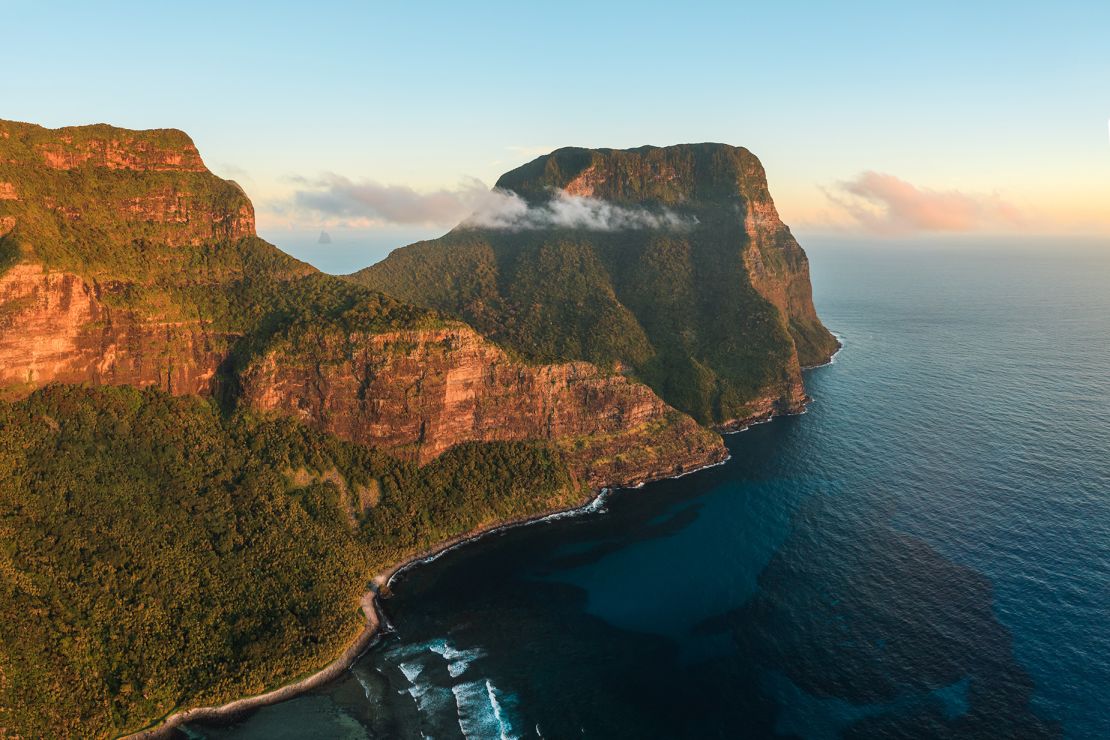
887 204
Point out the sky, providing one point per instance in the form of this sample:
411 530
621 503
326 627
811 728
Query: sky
874 120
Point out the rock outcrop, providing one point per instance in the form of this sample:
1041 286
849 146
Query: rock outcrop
165 150
108 200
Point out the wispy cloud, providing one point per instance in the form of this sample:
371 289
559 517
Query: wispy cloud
886 204
471 205
230 169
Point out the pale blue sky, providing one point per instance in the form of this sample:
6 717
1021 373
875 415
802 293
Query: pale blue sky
1006 102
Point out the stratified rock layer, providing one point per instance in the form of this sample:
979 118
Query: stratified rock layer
54 328
420 392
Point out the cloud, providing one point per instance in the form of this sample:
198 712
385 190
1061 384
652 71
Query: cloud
504 209
337 196
887 204
230 171
471 205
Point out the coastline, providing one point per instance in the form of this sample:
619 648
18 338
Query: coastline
377 623
332 670
832 358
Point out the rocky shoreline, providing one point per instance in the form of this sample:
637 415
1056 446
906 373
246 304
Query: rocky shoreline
333 670
376 622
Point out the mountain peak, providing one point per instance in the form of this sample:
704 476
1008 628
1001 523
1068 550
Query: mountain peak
104 146
671 175
112 201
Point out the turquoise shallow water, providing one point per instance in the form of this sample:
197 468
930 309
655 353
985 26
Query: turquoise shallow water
925 553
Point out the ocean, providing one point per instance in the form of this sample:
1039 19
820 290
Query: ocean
924 553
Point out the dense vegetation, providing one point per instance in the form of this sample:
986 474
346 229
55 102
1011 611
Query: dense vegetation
168 241
674 306
156 554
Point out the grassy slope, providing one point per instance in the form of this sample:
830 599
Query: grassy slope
156 554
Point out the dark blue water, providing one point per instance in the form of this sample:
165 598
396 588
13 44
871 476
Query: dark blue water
926 553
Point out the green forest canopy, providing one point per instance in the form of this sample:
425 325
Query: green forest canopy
155 554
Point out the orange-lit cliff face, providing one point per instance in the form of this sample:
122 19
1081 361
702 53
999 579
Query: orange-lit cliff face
55 328
125 261
419 392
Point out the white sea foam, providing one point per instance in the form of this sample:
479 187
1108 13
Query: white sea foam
505 727
418 691
412 671
595 506
481 712
363 681
430 699
476 718
832 358
427 695
457 660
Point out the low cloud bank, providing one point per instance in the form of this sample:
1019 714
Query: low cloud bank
507 210
471 205
339 197
886 204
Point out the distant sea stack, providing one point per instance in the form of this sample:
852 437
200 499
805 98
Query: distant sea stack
698 288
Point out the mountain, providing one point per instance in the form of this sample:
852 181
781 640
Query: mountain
123 260
669 264
209 448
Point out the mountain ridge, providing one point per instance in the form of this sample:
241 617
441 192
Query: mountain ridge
167 377
130 263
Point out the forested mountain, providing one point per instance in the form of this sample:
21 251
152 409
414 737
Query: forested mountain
670 261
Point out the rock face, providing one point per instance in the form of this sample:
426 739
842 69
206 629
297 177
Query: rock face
711 306
102 232
116 149
54 328
420 392
124 261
